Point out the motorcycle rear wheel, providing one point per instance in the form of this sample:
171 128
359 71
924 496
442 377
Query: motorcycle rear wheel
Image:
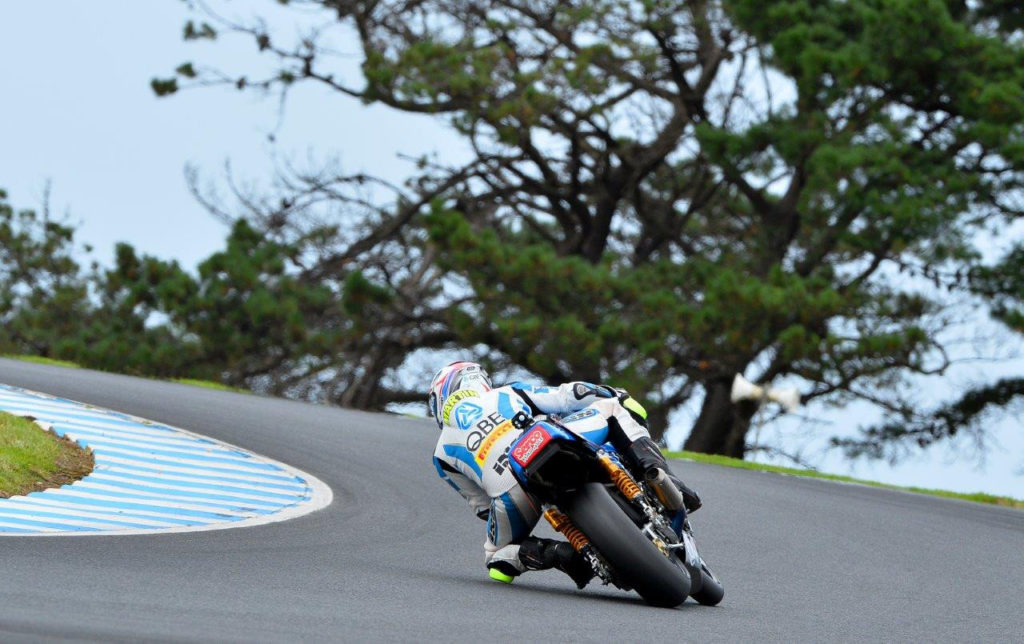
636 561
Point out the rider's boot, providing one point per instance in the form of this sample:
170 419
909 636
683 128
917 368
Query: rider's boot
646 455
541 554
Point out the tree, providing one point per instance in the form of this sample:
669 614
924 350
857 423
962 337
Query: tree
248 313
129 332
666 193
1003 285
345 304
241 320
43 293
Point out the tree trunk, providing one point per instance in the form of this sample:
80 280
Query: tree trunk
722 426
657 421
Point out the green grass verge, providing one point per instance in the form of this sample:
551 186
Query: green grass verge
209 384
726 461
41 360
34 459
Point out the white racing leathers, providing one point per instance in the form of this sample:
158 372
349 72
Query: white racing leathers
477 430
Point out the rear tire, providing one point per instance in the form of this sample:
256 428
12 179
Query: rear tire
636 561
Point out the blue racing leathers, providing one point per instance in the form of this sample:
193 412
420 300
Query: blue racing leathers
477 430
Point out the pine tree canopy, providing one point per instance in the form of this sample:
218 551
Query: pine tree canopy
660 194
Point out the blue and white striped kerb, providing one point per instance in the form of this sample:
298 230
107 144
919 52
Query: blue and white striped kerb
150 477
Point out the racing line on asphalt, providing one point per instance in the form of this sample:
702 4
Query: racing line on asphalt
149 477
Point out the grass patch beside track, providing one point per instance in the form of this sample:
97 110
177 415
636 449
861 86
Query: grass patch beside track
42 360
209 384
979 497
34 459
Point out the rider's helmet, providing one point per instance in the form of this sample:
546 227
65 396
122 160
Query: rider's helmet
452 378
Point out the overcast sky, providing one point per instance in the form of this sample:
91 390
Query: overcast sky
77 111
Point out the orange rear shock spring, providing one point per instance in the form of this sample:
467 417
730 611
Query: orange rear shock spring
621 479
563 524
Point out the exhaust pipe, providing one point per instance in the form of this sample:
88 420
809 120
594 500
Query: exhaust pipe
665 489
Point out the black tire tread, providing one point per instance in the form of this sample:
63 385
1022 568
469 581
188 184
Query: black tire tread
637 561
711 592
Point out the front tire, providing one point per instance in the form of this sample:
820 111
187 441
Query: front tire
711 592
636 561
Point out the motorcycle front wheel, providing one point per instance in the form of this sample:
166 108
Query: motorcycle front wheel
636 561
711 591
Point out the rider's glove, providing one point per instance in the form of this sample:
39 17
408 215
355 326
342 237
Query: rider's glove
633 406
635 409
606 391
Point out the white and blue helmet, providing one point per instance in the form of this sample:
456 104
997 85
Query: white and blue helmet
451 378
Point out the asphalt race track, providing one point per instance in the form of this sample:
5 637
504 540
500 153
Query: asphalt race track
397 556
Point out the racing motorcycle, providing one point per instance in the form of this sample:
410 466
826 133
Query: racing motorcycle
631 529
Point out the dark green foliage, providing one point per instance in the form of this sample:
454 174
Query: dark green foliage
186 70
42 291
124 334
666 193
246 315
1002 285
53 308
164 86
251 312
961 417
203 31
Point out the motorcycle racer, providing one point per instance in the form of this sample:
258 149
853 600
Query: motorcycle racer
478 424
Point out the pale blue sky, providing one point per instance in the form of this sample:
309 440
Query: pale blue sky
77 110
